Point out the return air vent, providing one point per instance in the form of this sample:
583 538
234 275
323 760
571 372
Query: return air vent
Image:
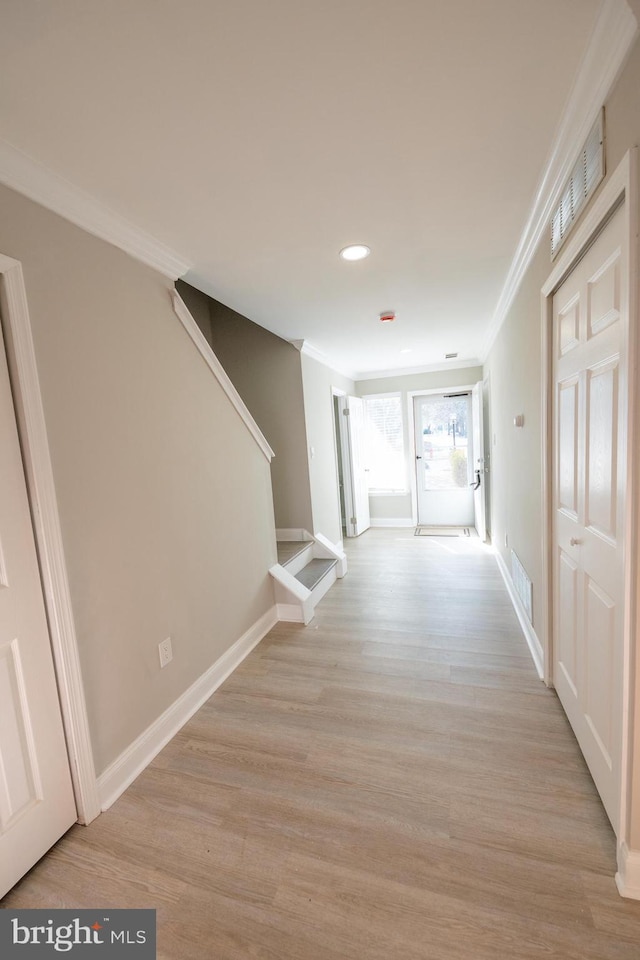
523 585
587 173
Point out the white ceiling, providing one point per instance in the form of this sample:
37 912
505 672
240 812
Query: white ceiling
255 138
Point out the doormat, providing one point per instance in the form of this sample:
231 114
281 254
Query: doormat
442 532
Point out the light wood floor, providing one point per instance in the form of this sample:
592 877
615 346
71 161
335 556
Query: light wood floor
392 782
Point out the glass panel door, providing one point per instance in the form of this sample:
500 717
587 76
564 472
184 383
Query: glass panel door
443 459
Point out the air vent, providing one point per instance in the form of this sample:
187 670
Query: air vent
584 178
450 356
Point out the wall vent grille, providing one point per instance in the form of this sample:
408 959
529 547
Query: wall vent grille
587 173
522 584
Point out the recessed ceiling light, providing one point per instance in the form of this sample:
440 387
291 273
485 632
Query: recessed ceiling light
356 251
407 350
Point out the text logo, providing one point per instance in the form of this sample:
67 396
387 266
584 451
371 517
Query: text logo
81 934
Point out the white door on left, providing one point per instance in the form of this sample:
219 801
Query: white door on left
36 796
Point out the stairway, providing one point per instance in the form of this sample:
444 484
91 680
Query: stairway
307 568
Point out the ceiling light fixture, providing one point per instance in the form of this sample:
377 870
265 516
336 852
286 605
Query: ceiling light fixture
355 251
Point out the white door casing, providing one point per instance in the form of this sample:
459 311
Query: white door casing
46 523
356 490
359 520
36 794
478 472
589 484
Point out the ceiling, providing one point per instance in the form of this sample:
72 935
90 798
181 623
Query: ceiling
256 139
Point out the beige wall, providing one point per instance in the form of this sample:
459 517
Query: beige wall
514 367
266 372
164 497
399 506
318 381
197 304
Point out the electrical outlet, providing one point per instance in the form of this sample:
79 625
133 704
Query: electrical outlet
165 652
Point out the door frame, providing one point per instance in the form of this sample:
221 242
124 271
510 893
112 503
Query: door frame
411 424
32 431
337 394
621 188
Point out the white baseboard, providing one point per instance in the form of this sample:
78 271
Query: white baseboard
628 875
392 522
139 754
535 647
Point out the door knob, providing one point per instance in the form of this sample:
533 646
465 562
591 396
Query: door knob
575 542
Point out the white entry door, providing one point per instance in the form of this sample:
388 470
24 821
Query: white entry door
356 488
479 473
36 797
443 468
588 494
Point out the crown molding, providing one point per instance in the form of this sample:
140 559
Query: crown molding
310 351
37 182
612 37
425 368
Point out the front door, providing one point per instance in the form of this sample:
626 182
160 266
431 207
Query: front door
443 467
588 497
479 472
36 796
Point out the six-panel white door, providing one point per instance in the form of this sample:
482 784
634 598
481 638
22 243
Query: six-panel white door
36 796
588 493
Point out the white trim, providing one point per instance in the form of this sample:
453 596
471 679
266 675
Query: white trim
325 549
293 599
209 357
628 875
309 350
290 613
397 372
33 180
611 40
392 522
535 647
46 520
139 754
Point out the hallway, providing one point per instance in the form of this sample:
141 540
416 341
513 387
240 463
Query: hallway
392 781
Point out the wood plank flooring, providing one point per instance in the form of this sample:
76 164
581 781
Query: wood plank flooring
392 781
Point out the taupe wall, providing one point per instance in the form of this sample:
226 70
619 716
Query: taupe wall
318 381
165 499
514 366
398 506
266 372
